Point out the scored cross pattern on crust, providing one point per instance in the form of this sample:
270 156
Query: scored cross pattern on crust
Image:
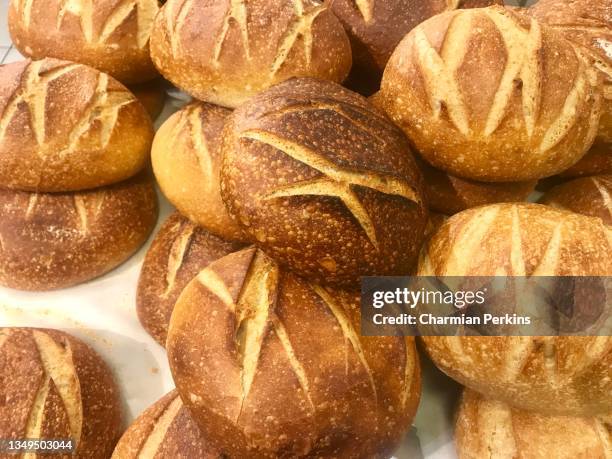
104 107
157 435
84 10
200 143
88 210
336 181
59 373
255 318
523 63
176 257
301 26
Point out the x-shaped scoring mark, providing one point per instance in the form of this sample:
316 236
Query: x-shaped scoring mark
337 181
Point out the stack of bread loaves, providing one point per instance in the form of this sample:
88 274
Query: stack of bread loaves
73 200
109 35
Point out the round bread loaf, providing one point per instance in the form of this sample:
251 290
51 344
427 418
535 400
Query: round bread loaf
376 27
186 158
324 182
53 386
67 127
588 24
492 429
152 96
552 375
50 241
164 431
485 96
178 253
449 194
276 366
109 35
590 196
226 51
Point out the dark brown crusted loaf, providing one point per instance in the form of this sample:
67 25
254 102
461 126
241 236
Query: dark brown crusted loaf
492 429
66 127
486 96
224 52
590 196
50 241
165 430
376 27
324 182
178 253
186 158
276 366
551 375
53 386
449 194
109 35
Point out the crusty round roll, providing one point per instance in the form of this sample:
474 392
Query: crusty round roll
53 386
449 194
486 96
588 24
552 375
226 51
186 158
165 430
178 253
590 196
277 368
324 182
67 127
376 27
492 429
109 35
152 96
50 241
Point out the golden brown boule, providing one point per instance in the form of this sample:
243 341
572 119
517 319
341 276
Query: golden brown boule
54 386
109 35
449 194
178 253
376 27
492 429
186 158
323 182
552 375
67 127
152 96
223 52
51 241
486 96
588 24
277 368
165 430
590 196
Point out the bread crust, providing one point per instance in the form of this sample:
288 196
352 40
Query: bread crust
165 430
186 158
484 95
590 196
376 27
178 253
58 387
488 428
278 368
449 194
51 241
324 182
525 240
223 52
67 127
109 35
